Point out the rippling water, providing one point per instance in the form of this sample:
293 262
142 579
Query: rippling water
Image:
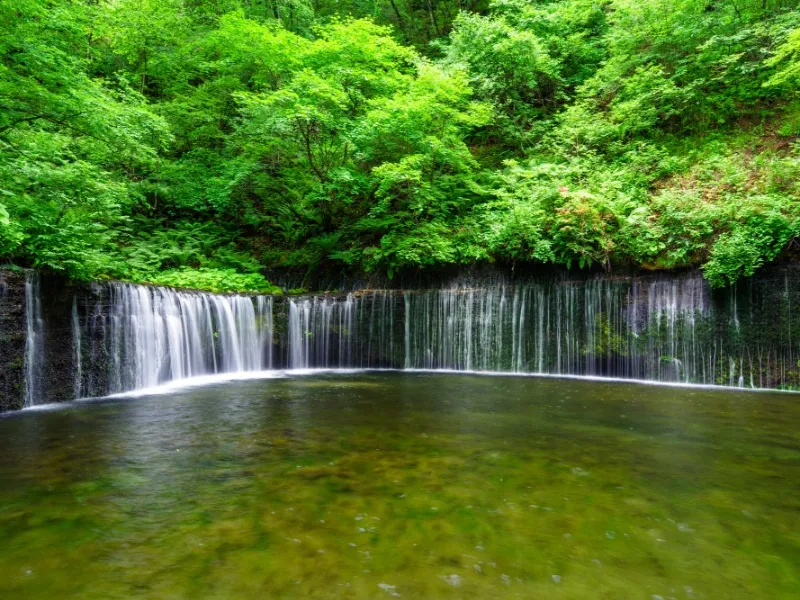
386 485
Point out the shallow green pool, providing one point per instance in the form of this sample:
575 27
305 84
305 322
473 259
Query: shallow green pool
412 485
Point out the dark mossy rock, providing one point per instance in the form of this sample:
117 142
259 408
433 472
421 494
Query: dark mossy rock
12 340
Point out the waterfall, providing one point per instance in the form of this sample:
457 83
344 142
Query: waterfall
34 341
152 335
653 328
265 327
354 331
76 348
406 332
671 329
595 327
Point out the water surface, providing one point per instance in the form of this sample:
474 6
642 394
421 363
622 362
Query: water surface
388 485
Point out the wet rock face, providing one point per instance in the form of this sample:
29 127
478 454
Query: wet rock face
90 311
58 362
12 340
58 354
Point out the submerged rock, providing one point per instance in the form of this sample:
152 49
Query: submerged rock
389 589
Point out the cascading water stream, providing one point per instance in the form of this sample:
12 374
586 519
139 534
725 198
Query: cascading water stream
355 331
650 328
76 348
596 327
152 335
34 341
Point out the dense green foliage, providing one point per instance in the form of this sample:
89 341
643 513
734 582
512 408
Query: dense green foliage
194 143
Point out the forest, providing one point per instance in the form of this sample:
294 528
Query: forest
201 143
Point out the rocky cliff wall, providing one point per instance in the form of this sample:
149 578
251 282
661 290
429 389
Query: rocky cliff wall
12 340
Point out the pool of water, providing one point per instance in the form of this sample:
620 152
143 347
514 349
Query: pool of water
381 485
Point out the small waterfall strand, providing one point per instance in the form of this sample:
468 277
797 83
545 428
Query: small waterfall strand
35 341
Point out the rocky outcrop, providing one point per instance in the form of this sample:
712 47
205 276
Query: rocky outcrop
54 360
12 340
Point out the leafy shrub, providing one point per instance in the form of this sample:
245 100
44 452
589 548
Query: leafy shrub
212 280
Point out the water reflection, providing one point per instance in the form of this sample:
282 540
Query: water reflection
423 485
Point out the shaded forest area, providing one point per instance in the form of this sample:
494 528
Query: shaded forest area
198 143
